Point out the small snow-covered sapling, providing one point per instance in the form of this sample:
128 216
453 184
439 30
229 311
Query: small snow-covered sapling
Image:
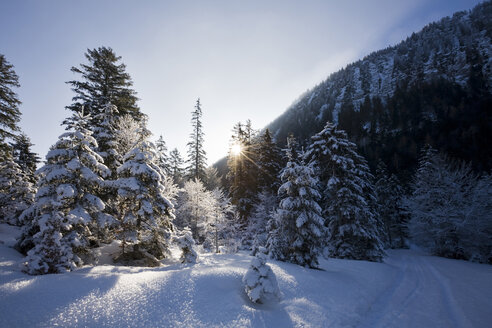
187 243
260 283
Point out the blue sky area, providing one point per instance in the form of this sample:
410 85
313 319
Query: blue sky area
244 59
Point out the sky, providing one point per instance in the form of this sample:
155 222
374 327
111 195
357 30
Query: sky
243 59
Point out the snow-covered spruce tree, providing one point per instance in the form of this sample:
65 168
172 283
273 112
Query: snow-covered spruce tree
197 160
16 191
176 166
162 157
186 242
9 105
27 160
354 230
103 127
260 283
298 218
145 214
262 214
275 244
106 135
66 212
391 211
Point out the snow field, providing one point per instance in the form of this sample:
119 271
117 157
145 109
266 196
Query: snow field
410 289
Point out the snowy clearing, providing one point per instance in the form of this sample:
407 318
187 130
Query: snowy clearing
410 289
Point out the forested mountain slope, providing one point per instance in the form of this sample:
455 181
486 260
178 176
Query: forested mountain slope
434 87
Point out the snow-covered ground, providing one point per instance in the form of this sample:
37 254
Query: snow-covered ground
410 289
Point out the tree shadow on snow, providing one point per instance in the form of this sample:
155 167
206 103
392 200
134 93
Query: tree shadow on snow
271 314
34 300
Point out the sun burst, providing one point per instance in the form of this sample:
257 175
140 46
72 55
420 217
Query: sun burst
236 149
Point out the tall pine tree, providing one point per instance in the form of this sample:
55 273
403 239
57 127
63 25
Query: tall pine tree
197 160
103 80
104 91
9 106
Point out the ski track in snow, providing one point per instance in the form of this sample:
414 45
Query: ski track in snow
413 298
